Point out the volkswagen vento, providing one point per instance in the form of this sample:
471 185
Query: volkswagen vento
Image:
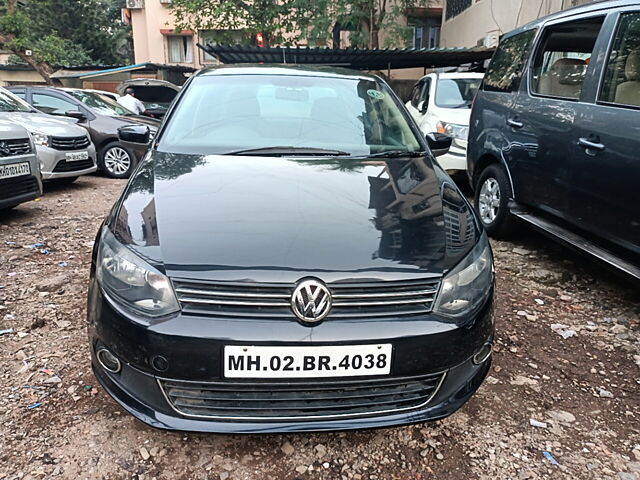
289 256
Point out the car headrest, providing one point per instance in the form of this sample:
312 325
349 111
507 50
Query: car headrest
632 67
569 71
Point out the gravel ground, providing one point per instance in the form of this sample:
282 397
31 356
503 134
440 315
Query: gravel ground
565 378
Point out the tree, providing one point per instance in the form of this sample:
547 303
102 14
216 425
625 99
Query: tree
84 32
318 22
275 19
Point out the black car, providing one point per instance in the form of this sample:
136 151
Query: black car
290 257
555 132
101 116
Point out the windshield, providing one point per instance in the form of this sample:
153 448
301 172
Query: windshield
456 92
100 104
228 113
10 103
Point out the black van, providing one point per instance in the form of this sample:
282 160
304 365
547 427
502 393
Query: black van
554 135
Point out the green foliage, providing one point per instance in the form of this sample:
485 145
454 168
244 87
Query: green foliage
54 50
288 22
66 32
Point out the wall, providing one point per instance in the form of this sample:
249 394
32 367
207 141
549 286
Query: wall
19 77
149 43
495 17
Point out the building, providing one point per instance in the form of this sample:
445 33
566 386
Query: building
155 39
467 23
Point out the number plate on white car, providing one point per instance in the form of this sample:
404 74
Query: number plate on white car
75 156
14 170
305 362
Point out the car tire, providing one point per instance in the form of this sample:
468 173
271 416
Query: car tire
492 194
116 160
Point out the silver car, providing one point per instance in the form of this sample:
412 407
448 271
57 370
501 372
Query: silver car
19 171
64 150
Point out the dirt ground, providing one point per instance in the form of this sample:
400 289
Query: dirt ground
567 359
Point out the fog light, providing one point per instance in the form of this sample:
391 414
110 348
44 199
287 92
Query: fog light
483 354
108 360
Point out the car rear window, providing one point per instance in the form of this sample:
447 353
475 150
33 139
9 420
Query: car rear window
505 70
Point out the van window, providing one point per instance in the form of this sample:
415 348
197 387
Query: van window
560 64
505 70
416 94
622 75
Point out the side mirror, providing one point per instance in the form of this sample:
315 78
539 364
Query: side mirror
77 114
134 134
423 106
439 144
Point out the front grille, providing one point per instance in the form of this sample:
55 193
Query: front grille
11 148
16 186
75 166
350 300
69 143
300 401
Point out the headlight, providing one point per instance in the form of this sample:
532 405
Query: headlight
466 286
131 281
40 139
461 132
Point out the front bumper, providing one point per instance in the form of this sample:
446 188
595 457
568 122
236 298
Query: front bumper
193 349
54 165
456 158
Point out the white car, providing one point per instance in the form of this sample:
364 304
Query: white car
64 149
441 102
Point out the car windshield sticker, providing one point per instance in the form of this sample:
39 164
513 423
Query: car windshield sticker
375 94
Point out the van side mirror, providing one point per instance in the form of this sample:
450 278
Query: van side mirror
134 133
77 114
439 143
424 106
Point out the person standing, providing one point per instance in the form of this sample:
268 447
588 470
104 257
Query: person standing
130 102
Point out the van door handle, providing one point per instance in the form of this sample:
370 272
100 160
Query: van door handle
589 145
514 123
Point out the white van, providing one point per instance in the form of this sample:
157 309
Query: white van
441 102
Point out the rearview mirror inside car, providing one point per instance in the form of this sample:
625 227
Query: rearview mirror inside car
77 114
439 144
134 133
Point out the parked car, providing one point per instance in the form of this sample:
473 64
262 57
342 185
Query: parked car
19 170
113 96
64 150
441 102
290 257
156 95
555 132
101 116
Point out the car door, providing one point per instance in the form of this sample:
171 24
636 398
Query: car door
424 101
54 103
493 105
605 190
413 105
546 107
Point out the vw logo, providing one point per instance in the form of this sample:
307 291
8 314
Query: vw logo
311 301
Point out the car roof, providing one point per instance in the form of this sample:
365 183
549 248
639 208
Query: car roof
287 70
600 5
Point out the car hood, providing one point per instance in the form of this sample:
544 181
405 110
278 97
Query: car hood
459 116
277 219
41 123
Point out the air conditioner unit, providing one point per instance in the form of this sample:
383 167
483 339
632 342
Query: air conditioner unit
135 4
166 2
490 40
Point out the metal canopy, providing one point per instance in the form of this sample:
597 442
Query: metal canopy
356 58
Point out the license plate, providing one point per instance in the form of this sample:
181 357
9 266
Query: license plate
14 170
75 156
305 362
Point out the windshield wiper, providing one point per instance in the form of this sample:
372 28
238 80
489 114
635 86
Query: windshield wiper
394 154
282 151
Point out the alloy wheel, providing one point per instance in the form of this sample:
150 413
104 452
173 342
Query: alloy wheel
117 160
489 200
